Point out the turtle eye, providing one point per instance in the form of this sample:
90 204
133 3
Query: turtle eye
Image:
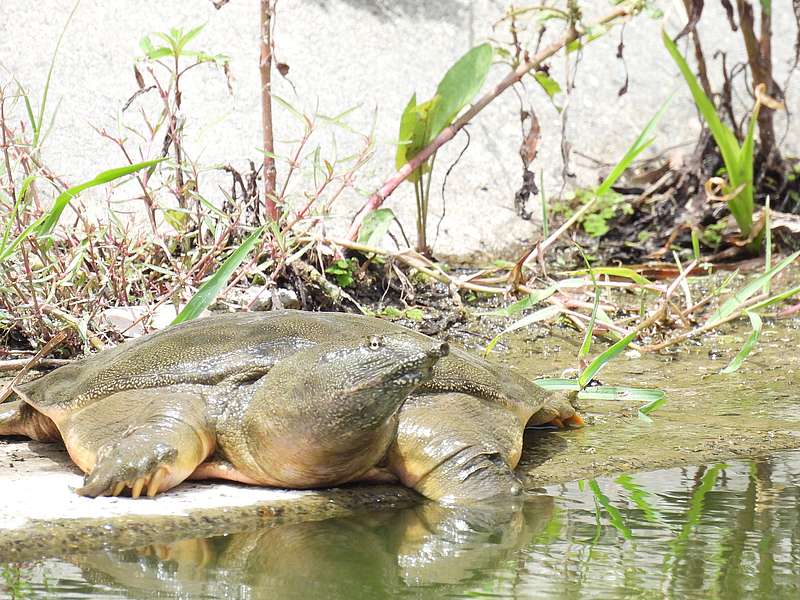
375 342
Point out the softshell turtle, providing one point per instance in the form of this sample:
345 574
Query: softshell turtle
286 399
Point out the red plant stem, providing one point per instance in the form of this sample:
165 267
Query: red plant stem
377 198
265 67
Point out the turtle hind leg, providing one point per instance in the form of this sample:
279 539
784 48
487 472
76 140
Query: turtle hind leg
20 418
476 474
143 440
557 411
456 448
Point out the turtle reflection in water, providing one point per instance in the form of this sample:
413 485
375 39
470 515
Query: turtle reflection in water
372 555
287 399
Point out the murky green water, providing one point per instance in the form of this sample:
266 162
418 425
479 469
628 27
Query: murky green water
723 530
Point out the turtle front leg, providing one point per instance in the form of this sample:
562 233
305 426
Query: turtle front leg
456 448
143 440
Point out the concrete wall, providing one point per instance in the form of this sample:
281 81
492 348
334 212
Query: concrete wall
344 53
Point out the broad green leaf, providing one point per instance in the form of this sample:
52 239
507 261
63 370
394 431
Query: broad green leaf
413 133
160 52
747 347
609 392
458 87
171 39
151 52
177 218
48 222
189 36
375 226
600 361
548 84
543 314
733 303
208 292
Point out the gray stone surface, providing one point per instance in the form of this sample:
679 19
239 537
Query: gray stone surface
344 53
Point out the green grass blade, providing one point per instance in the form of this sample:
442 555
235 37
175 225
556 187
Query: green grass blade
748 346
767 241
646 137
51 218
695 512
589 333
293 111
208 292
28 106
640 497
622 272
742 204
614 516
586 345
545 216
733 303
523 304
780 297
38 126
23 191
543 314
728 146
12 247
600 361
557 384
645 410
620 394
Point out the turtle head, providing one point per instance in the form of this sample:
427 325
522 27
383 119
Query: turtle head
326 414
379 365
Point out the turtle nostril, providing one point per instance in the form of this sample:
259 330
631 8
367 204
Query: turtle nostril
443 349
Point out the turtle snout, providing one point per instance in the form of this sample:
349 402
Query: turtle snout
439 350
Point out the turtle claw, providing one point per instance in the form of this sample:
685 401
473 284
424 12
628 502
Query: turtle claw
127 465
136 489
155 482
